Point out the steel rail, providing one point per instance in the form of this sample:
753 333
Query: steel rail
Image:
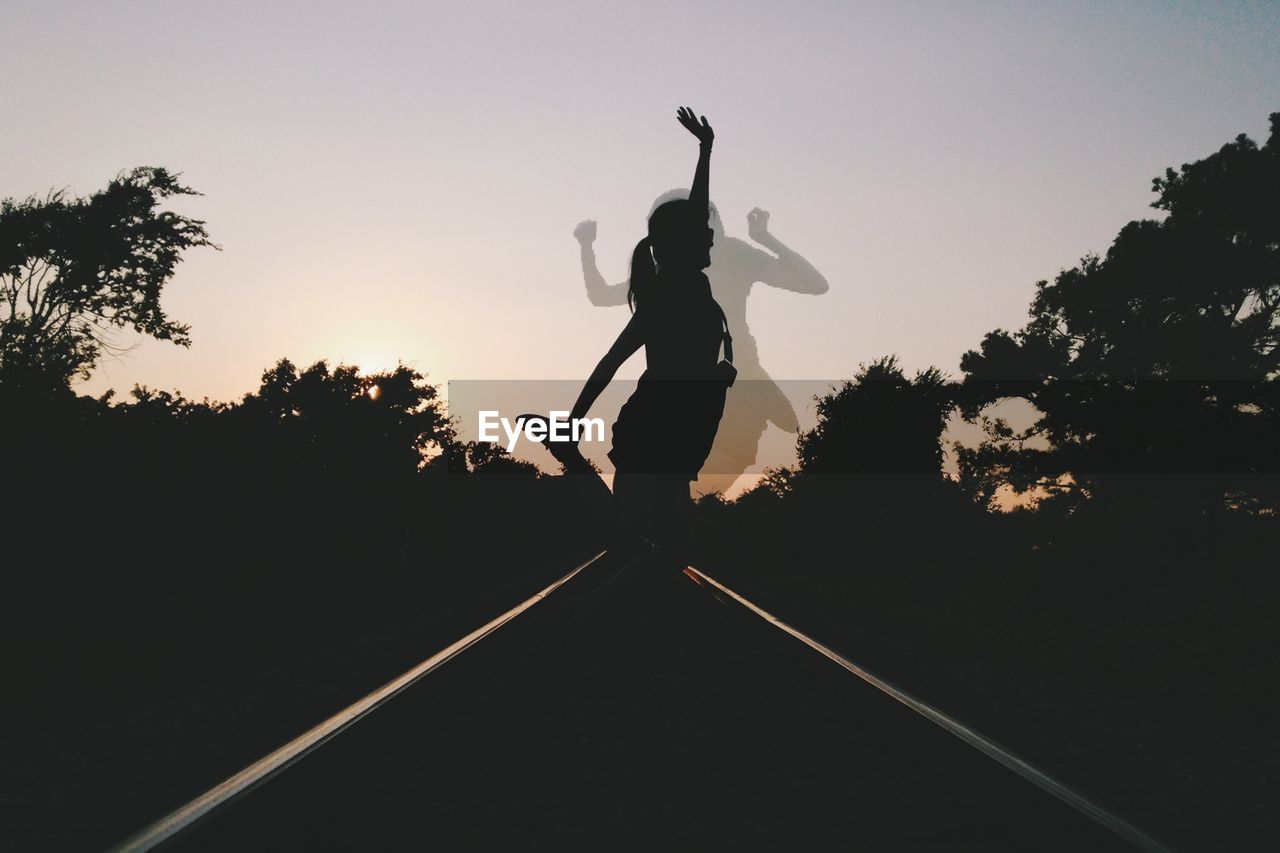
260 771
990 748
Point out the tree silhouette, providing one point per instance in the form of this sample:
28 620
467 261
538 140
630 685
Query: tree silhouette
880 422
382 424
1161 356
74 270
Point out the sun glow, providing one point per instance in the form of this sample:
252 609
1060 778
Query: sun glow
368 364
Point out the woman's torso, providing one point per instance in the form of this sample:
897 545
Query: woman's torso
683 328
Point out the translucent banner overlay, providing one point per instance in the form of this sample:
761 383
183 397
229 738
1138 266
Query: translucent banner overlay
1153 427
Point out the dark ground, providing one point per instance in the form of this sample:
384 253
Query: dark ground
646 716
109 731
112 726
1195 775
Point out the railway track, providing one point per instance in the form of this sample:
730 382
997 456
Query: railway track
622 707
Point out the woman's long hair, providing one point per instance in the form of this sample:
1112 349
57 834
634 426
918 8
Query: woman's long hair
644 273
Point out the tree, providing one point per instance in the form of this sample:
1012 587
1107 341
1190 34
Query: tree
75 270
880 422
377 425
1160 357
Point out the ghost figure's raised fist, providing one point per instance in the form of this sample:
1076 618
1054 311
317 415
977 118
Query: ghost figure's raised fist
585 232
758 224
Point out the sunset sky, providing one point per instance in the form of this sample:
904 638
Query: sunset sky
401 180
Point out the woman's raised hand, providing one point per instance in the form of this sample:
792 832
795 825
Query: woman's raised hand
702 130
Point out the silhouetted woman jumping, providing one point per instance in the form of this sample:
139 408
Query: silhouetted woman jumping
665 430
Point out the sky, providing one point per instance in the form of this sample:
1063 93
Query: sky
400 181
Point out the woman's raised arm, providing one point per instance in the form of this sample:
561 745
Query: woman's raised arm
700 192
